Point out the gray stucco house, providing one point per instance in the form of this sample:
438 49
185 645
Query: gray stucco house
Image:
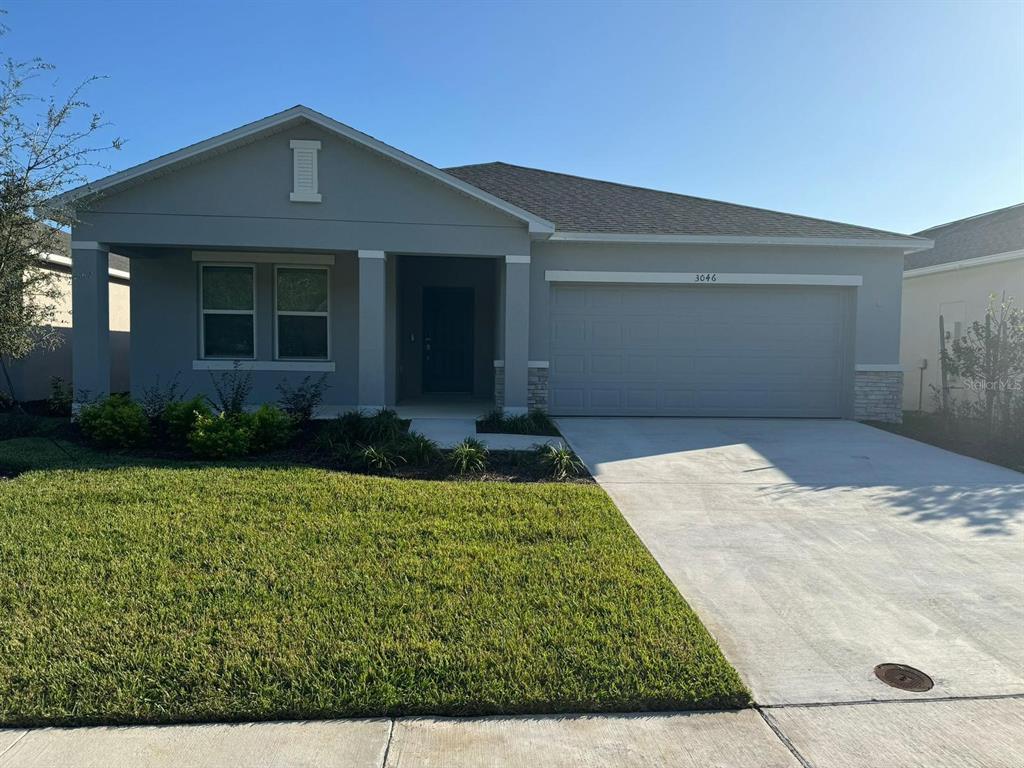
298 245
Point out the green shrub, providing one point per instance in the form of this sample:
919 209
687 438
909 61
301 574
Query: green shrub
378 458
533 423
59 403
418 449
224 436
155 399
14 424
384 426
469 456
179 417
301 401
559 461
233 388
271 427
116 422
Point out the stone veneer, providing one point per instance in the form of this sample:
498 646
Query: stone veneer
878 396
536 386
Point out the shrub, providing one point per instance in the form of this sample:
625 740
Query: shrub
116 422
224 436
233 388
378 458
559 461
533 423
155 399
469 456
59 403
418 449
271 428
384 426
17 424
179 417
300 402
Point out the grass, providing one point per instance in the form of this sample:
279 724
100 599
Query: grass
163 592
965 440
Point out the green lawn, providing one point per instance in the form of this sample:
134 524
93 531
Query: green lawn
189 592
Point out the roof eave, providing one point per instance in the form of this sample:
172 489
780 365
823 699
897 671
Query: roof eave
907 244
954 266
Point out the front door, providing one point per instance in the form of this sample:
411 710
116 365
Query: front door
447 339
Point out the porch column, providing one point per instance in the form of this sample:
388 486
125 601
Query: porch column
372 325
517 332
90 321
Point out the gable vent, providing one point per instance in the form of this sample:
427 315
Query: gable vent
305 181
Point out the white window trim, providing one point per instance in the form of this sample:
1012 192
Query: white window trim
203 312
311 366
278 313
311 194
272 257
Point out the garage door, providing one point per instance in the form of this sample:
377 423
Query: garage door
698 350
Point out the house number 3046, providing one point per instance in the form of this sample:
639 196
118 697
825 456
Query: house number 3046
707 277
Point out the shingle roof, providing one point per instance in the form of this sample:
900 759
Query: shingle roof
577 204
116 261
1000 231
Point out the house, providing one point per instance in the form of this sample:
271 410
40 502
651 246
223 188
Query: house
32 376
296 246
973 259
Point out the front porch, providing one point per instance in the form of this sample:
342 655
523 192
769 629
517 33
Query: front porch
429 333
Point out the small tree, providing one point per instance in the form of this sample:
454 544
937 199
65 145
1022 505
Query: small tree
989 360
46 144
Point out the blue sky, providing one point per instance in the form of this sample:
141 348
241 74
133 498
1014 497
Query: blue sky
893 115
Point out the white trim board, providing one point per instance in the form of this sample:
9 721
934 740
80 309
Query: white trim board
907 243
953 266
695 278
268 125
529 364
883 367
264 365
64 261
283 258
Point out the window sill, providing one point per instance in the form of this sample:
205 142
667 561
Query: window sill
322 366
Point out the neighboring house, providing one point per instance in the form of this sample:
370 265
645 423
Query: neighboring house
972 260
32 376
296 246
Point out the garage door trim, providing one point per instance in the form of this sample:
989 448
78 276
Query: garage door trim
698 278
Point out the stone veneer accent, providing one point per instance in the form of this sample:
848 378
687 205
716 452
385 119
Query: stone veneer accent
878 396
536 386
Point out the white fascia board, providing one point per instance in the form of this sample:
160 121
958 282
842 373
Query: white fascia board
65 261
538 226
903 243
698 278
263 257
953 266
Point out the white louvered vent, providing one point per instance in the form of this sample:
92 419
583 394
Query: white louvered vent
305 182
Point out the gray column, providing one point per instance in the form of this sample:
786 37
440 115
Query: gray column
90 319
372 329
517 332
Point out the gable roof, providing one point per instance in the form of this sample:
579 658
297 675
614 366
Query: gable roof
988 234
278 122
581 205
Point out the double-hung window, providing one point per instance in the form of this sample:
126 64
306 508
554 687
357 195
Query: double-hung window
302 313
228 322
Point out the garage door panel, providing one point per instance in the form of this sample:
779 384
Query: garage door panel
677 350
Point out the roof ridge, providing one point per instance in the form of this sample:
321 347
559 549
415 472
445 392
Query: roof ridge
971 218
680 194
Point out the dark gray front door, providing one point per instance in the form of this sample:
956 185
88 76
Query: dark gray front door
447 339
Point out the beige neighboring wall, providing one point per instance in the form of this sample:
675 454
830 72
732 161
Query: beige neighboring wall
32 375
961 296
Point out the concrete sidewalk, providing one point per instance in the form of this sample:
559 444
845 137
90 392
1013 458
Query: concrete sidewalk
972 732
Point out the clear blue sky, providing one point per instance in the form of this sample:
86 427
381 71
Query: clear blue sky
893 115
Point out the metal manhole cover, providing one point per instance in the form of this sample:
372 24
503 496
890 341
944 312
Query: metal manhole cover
903 677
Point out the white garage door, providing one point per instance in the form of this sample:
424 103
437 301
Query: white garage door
699 350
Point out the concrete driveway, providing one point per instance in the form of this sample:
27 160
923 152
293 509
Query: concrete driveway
814 550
